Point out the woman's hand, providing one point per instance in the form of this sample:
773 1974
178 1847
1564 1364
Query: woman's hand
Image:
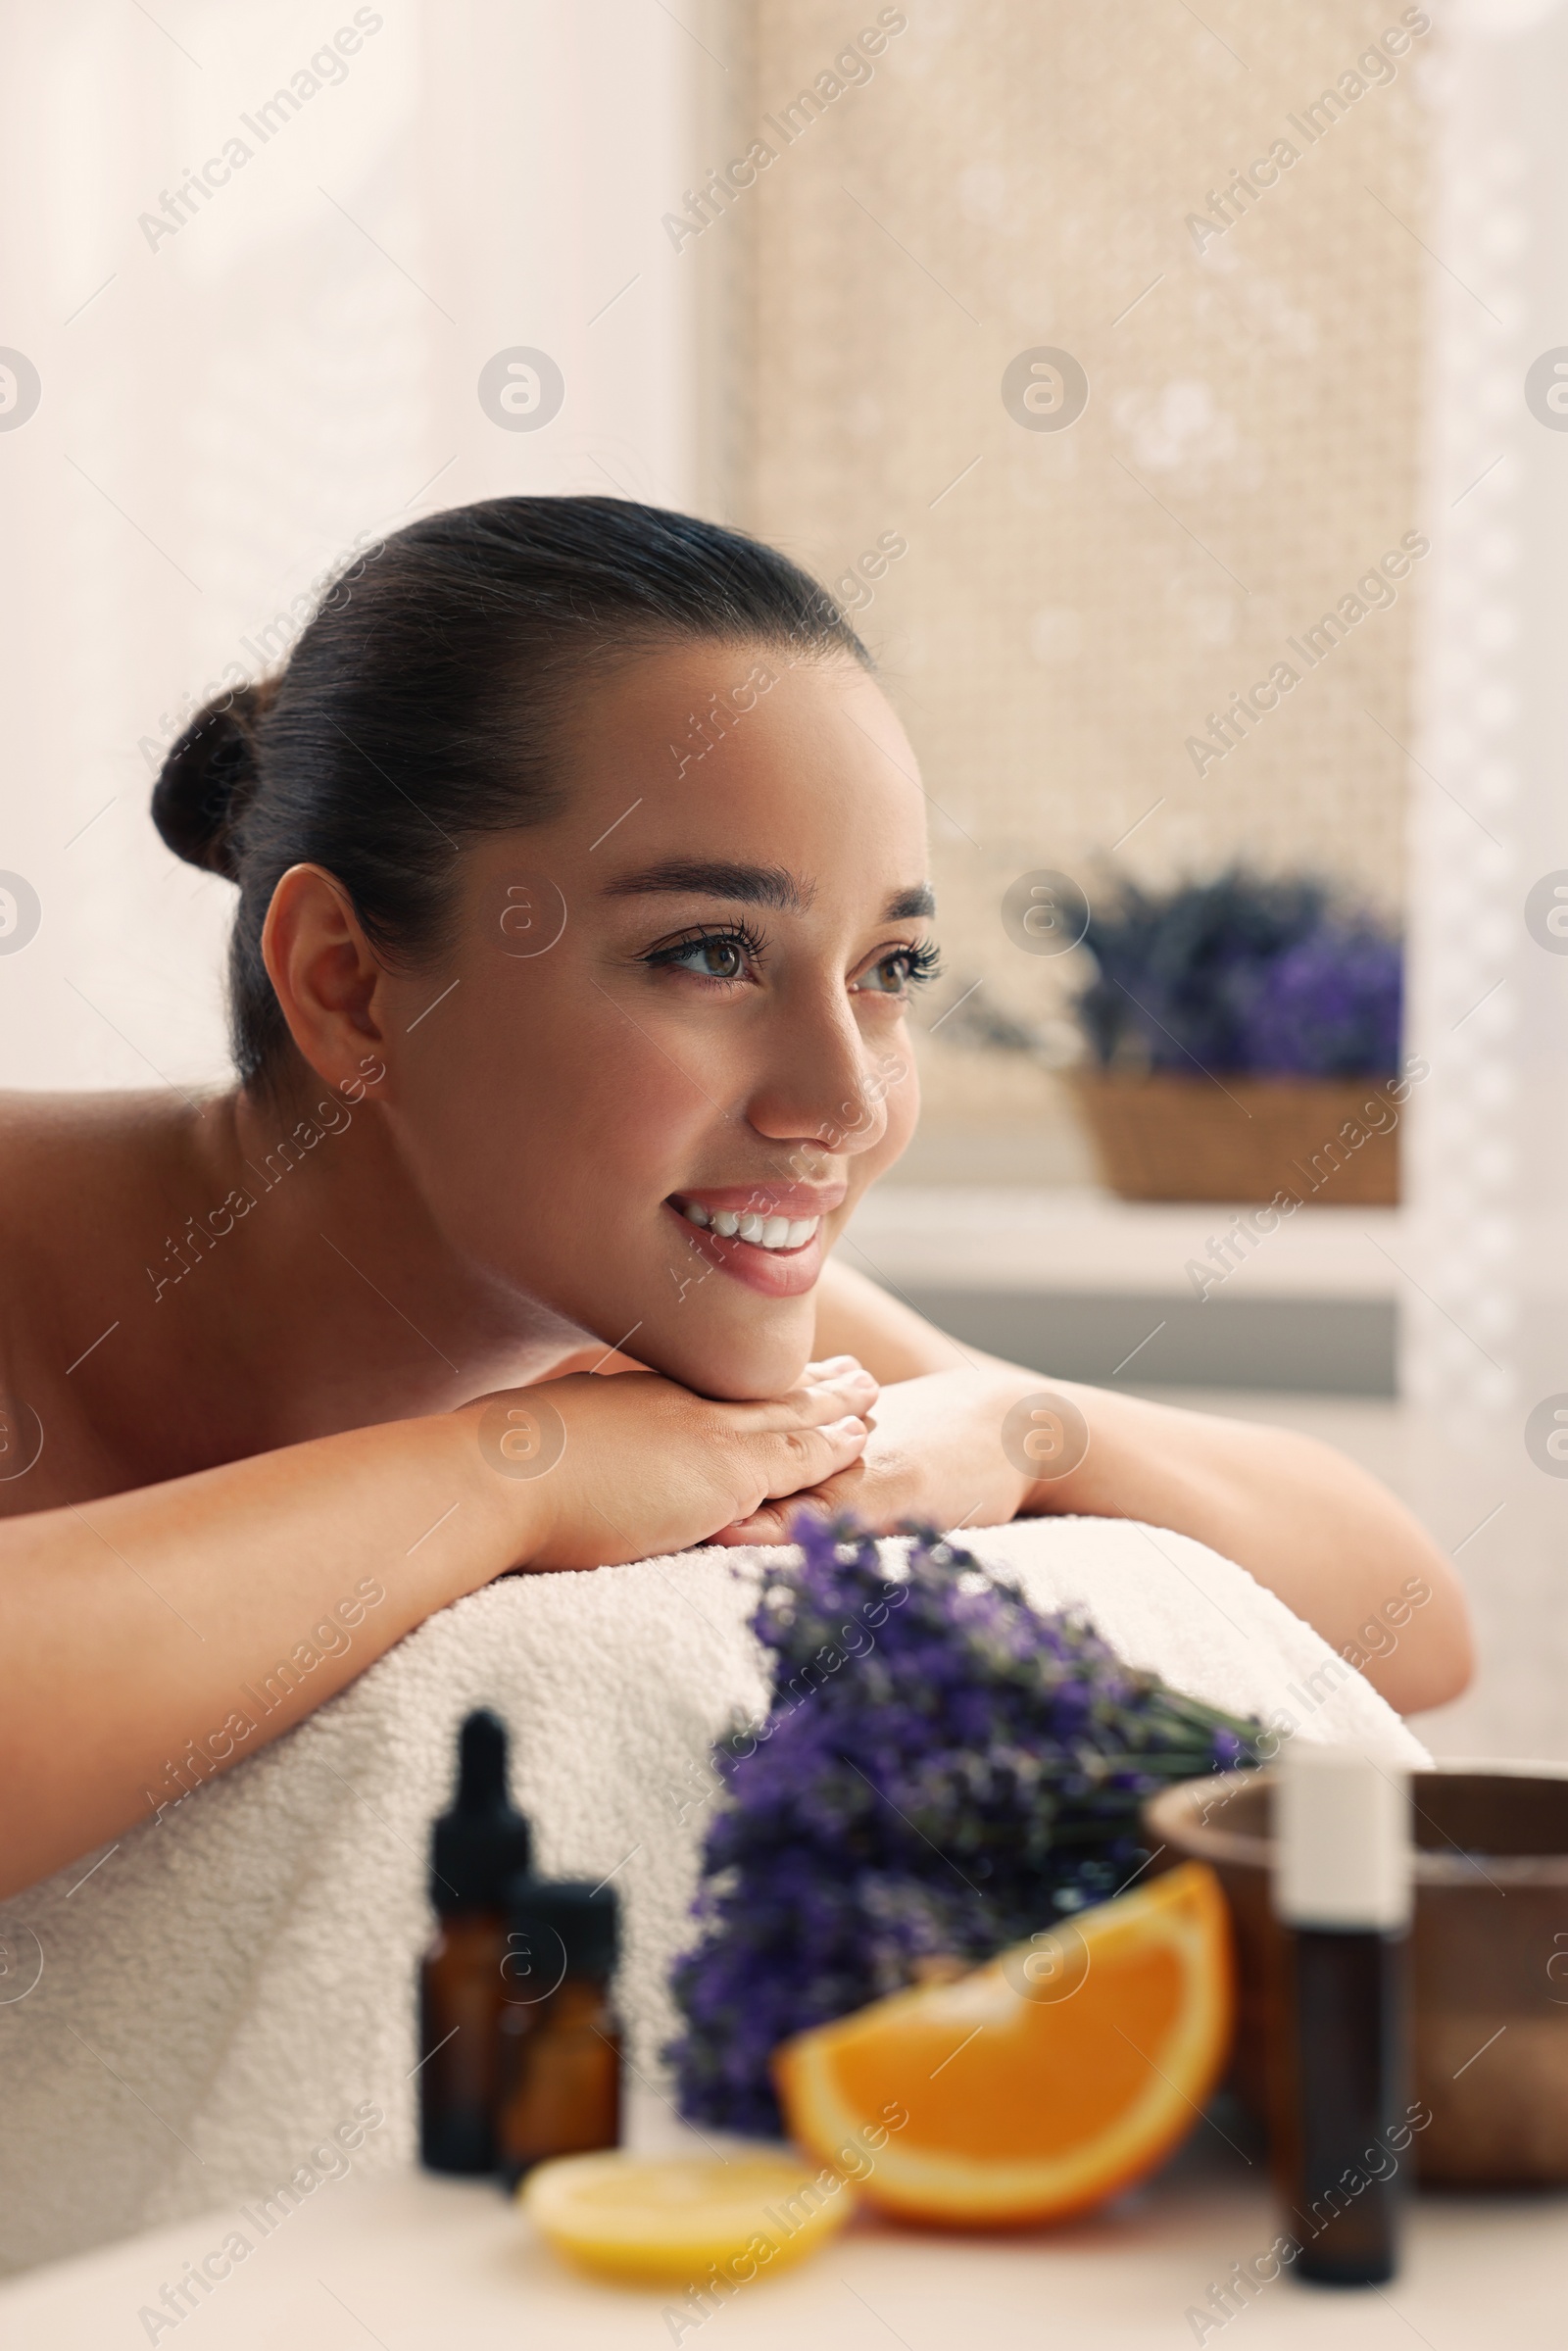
638 1465
934 1458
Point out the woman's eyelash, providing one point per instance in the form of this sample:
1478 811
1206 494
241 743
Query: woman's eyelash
924 962
919 959
728 934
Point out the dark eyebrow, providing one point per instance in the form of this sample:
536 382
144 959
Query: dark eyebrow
698 877
750 886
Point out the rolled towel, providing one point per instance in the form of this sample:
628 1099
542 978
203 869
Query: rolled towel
227 1992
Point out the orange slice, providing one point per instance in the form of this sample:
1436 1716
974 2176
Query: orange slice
1036 2086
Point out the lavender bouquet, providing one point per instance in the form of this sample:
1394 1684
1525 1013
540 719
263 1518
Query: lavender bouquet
944 1771
1242 973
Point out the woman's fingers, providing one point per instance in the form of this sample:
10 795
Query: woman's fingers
827 1393
786 1459
836 1367
769 1525
797 1440
849 1488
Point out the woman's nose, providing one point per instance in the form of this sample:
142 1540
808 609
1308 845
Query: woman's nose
821 1087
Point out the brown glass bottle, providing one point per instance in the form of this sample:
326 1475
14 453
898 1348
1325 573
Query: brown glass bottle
478 1848
1341 1892
1342 2180
561 2039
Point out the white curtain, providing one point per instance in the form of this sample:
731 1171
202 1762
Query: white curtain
237 385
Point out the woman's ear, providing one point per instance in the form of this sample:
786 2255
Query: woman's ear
329 981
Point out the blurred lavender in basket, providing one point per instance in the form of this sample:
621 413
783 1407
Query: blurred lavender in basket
1242 973
945 1770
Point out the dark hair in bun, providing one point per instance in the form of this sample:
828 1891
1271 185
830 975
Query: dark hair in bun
422 709
208 777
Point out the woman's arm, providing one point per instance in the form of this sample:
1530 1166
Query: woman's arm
1336 1546
156 1636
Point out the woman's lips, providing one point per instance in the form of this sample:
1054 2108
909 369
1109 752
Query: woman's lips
775 1238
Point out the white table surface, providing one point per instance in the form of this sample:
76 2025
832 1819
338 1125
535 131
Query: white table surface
417 2264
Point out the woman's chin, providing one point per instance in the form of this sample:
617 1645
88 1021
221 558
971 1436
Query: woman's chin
735 1368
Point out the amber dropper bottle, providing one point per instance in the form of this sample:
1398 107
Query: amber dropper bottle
1342 1892
559 2035
476 1851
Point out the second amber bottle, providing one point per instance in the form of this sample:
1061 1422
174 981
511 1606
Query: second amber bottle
560 2070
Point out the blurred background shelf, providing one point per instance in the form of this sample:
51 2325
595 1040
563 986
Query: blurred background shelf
1079 1283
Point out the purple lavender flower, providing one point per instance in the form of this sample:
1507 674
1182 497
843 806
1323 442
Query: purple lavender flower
1328 1007
944 1771
1241 973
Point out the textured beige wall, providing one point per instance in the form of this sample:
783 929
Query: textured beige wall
1073 607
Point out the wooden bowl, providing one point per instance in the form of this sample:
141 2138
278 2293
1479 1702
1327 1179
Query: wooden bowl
1489 1980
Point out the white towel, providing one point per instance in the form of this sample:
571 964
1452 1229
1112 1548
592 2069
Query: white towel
234 1982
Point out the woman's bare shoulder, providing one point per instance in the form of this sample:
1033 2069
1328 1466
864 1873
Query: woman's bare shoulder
70 1164
77 1173
39 1118
65 1154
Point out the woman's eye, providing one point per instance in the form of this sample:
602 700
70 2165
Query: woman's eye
719 958
896 973
711 958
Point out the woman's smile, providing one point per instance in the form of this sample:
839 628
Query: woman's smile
768 1236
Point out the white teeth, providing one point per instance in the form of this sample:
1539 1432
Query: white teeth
763 1232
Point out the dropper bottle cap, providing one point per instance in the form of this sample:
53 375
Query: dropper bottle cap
567 1926
481 1842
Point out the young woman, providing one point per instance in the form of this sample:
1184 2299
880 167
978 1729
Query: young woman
581 904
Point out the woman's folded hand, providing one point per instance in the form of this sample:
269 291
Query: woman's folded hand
608 1469
934 1458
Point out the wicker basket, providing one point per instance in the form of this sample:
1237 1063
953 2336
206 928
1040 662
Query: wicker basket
1162 1137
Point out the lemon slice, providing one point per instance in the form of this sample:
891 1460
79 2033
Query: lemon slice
677 2220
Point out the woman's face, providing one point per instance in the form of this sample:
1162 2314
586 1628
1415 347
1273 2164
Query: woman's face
672 1053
